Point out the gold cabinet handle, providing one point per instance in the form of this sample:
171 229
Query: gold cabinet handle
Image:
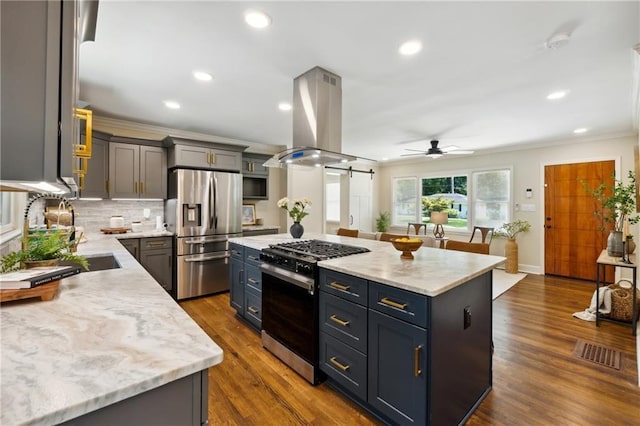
339 286
252 281
155 243
213 158
339 321
386 301
338 364
252 310
142 187
416 361
135 187
208 160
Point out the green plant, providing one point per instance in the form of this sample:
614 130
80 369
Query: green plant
43 247
512 229
383 221
618 201
438 204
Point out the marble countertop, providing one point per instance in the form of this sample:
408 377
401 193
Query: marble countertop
433 271
107 336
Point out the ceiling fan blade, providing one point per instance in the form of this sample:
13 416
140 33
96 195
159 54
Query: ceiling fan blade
416 150
411 155
460 152
449 148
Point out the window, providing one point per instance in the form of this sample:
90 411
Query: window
491 197
452 188
332 201
404 207
11 203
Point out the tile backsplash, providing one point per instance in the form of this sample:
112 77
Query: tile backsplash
94 215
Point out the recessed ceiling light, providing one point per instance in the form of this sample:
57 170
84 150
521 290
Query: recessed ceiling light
344 160
384 158
284 106
557 95
580 130
557 41
202 76
257 19
172 104
410 47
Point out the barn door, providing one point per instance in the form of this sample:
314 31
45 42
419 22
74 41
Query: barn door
573 240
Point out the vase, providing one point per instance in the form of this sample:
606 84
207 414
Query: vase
28 264
614 244
632 245
511 253
296 230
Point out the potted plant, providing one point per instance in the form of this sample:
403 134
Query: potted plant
618 207
43 250
510 230
382 222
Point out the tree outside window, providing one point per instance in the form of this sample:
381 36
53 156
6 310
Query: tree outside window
453 188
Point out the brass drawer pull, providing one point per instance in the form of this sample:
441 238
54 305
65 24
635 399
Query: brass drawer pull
253 258
155 243
142 187
386 301
337 364
235 252
339 321
253 310
339 286
416 361
252 281
135 187
213 158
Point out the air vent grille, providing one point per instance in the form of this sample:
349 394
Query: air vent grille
598 354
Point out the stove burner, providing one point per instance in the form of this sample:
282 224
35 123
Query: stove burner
318 249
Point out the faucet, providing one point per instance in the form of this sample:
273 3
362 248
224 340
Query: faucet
48 196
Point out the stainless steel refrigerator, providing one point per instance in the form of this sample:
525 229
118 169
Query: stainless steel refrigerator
203 211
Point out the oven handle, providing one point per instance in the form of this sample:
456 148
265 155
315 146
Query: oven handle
205 257
290 277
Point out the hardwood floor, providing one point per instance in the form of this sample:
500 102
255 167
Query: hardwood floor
537 380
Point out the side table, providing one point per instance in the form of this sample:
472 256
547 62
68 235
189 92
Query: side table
605 260
417 227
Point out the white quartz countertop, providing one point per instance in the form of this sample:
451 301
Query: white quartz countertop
107 336
433 271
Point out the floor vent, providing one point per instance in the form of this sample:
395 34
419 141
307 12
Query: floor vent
598 354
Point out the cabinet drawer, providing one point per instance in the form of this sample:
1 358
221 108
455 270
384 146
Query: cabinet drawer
155 243
345 321
344 364
398 303
252 256
254 276
346 286
237 251
253 307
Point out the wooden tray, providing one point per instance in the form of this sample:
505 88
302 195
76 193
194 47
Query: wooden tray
44 292
115 230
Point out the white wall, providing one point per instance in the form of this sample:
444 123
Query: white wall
307 182
528 172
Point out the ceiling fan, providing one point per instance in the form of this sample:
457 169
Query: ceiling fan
435 152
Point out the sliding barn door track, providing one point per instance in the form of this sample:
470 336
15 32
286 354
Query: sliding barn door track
598 354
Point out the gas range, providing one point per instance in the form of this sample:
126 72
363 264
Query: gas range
302 256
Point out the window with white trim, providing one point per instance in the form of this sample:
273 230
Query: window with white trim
404 203
491 191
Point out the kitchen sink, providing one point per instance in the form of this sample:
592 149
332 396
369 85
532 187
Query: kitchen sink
99 262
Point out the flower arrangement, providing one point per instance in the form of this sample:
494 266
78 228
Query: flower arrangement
512 229
296 212
618 201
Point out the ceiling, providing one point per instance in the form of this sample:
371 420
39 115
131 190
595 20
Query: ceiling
480 81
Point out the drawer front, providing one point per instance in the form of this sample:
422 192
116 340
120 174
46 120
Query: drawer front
253 307
398 303
237 251
345 321
346 286
254 277
252 256
344 364
155 243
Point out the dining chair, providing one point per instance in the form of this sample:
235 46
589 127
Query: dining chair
345 232
386 236
484 231
481 248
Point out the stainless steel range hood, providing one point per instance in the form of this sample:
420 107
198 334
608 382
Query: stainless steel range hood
317 122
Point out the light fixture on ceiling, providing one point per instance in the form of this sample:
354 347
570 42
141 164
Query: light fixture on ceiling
257 19
580 130
557 41
172 104
557 95
410 47
284 106
202 76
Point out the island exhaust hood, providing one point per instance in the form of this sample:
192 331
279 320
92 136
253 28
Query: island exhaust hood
317 122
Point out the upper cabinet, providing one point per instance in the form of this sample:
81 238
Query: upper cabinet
96 181
39 81
203 155
255 177
137 171
252 164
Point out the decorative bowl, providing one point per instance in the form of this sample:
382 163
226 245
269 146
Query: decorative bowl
406 246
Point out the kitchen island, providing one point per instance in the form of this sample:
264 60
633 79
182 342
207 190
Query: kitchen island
112 345
409 340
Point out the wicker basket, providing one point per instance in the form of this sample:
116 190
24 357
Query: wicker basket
622 301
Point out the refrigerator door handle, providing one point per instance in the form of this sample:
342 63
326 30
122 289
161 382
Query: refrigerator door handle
204 257
204 240
211 202
215 201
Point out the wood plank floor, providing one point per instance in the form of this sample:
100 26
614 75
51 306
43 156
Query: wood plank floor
537 380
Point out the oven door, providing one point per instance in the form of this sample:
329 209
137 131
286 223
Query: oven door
289 311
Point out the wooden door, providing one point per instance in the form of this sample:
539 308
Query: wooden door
573 236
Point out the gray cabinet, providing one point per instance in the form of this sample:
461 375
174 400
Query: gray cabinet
137 171
203 157
255 177
246 284
236 277
96 182
155 254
